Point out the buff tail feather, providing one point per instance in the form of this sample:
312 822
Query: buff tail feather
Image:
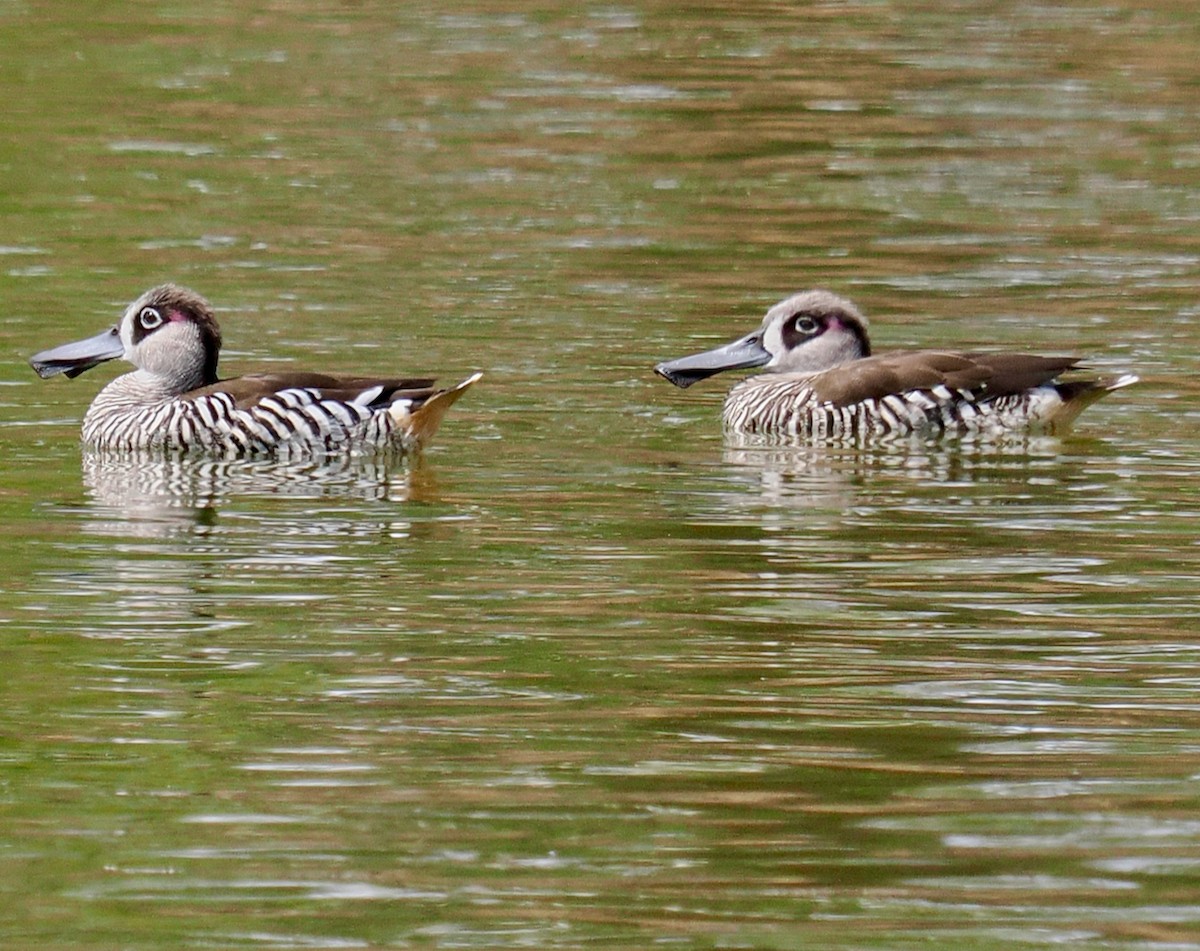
419 425
1079 396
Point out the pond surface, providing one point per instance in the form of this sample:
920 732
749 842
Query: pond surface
588 675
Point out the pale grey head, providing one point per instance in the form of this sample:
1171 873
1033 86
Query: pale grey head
169 332
806 333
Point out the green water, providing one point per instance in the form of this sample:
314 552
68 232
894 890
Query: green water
587 676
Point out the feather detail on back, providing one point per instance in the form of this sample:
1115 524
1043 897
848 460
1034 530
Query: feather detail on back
250 389
993 374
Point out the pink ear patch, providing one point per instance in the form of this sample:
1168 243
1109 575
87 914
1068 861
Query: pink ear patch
174 314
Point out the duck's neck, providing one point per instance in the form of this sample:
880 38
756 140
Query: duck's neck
145 388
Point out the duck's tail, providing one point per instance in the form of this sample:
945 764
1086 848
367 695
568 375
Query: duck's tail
419 425
1080 394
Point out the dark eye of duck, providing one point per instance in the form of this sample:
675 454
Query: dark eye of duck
150 318
806 325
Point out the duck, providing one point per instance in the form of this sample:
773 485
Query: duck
821 381
175 400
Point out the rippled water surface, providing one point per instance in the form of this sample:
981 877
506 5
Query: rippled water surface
588 674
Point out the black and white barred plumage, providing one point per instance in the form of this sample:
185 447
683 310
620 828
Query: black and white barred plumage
174 400
822 382
791 407
281 421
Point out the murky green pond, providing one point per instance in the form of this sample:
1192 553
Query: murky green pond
588 676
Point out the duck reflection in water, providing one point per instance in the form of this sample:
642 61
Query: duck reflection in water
801 473
153 494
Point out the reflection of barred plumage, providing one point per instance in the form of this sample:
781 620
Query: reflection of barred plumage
161 492
823 383
175 401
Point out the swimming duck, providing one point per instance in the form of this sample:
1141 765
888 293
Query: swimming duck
174 399
821 381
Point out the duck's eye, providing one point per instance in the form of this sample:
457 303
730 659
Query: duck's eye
149 318
806 325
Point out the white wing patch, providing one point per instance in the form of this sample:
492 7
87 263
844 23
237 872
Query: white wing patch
368 396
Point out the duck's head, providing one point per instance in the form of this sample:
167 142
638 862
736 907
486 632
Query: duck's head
806 333
168 332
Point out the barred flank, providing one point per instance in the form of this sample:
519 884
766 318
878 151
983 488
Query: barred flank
768 404
123 418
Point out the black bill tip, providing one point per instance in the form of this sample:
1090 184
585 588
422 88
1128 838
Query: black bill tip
681 377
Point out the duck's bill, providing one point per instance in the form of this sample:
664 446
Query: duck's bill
746 352
74 358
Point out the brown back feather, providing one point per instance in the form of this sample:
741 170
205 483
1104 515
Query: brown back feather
989 374
248 390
